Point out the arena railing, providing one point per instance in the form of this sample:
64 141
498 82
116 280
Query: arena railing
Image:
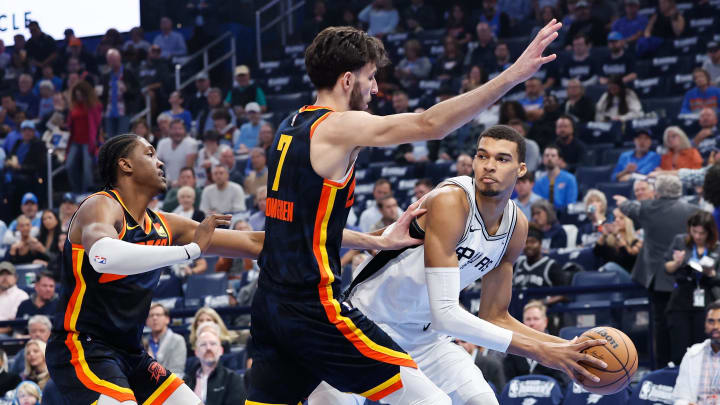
287 8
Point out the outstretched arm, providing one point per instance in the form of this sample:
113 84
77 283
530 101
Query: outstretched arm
224 242
396 236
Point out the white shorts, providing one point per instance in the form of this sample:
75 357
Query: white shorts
446 364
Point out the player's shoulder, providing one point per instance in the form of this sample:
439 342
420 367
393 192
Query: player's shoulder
446 196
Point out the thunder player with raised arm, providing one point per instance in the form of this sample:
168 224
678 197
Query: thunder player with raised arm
472 230
302 333
114 246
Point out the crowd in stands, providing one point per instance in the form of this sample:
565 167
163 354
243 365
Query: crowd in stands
621 133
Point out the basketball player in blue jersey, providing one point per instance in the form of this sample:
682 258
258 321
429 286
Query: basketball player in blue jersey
114 246
302 332
472 231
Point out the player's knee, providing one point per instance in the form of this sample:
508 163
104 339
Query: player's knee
417 389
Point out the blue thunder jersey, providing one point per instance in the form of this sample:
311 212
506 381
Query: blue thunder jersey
109 307
305 214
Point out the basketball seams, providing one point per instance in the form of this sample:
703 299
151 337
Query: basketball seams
622 365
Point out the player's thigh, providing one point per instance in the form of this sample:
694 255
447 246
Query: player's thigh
152 383
325 394
106 400
416 389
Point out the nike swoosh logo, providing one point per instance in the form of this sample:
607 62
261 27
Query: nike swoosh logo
474 229
132 227
426 327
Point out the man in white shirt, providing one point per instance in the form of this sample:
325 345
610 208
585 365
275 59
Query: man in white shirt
177 151
224 196
10 295
372 214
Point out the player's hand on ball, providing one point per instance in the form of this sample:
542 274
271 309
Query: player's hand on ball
397 235
532 59
204 231
566 357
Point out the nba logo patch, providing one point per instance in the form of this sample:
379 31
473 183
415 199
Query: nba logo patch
100 260
160 230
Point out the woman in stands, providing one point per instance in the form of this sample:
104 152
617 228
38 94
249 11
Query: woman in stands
618 245
50 230
680 153
414 66
450 64
207 314
545 219
8 380
618 103
140 127
596 210
694 259
474 79
35 367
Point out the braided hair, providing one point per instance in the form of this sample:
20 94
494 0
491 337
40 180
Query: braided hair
115 148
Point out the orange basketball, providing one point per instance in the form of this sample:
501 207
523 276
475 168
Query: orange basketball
620 355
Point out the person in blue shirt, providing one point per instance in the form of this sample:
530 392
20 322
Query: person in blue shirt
558 186
250 130
170 42
640 160
533 100
632 25
25 99
702 96
176 109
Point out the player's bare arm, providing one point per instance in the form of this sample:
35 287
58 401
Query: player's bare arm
397 236
549 350
223 242
342 132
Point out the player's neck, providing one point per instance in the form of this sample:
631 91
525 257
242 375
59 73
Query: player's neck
332 99
136 200
491 209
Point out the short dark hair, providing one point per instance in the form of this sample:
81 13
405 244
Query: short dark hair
46 274
424 181
506 133
336 50
707 222
186 168
529 176
381 181
166 311
221 114
715 305
711 185
582 36
177 121
115 148
569 118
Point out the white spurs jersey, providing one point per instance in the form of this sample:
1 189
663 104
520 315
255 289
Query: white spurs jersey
396 292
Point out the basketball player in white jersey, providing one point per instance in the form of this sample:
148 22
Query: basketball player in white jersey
472 230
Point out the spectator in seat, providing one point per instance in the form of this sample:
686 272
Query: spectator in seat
498 20
10 295
632 25
380 17
25 98
197 99
680 153
534 269
29 208
640 160
587 25
458 24
236 170
42 301
187 199
258 175
643 190
249 131
488 361
25 165
706 140
176 109
543 130
208 156
8 380
581 64
27 249
46 90
50 229
389 209
618 246
667 22
544 218
177 151
620 62
661 219
700 363
712 63
28 393
578 104
595 204
372 213
84 125
120 94
35 365
154 76
533 100
266 136
171 43
257 219
525 196
450 64
422 187
414 66
572 150
222 121
703 95
558 186
318 22
418 16
214 103
137 42
186 178
532 149
39 327
140 127
212 382
463 165
534 316
618 103
500 62
244 91
4 56
484 53
474 79
693 259
40 47
166 346
223 196
510 110
209 315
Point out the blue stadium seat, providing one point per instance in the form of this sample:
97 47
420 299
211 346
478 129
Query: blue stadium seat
438 172
584 257
569 332
668 107
168 286
655 387
287 102
600 132
665 65
200 286
703 26
611 156
595 91
593 278
655 124
610 189
577 395
587 176
532 389
686 46
680 83
646 87
27 274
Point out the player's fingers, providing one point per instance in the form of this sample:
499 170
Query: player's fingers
547 59
222 223
589 343
548 40
582 371
593 361
416 241
418 212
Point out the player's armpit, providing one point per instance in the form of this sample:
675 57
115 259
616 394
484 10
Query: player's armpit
447 210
